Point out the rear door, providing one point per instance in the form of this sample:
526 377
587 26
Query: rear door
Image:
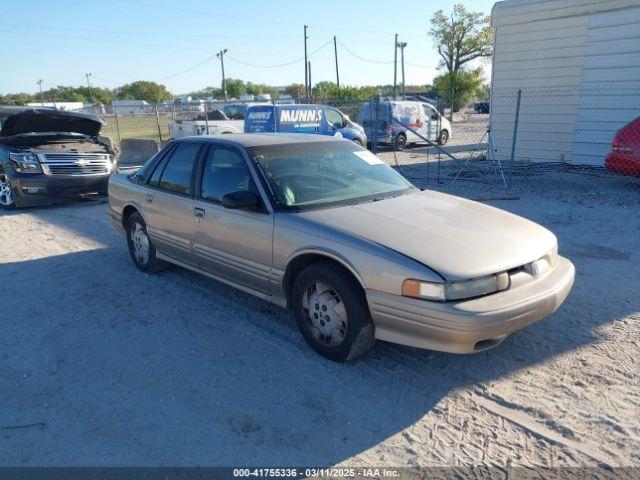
168 202
233 244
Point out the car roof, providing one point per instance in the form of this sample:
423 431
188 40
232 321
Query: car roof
260 139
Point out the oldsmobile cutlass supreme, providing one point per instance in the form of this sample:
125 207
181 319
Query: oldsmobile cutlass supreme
323 227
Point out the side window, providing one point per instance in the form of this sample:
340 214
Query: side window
334 117
430 112
176 175
155 177
225 171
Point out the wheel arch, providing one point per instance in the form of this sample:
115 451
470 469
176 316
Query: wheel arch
300 260
129 210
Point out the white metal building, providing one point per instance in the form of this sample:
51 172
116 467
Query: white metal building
577 63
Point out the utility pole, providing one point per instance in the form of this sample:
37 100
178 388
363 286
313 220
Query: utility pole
90 89
306 65
335 50
220 55
310 89
401 45
41 95
395 68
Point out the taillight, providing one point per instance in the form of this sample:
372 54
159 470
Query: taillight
619 145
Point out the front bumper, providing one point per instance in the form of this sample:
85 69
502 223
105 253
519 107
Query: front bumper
38 189
471 325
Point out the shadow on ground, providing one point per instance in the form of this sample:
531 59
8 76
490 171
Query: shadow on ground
124 368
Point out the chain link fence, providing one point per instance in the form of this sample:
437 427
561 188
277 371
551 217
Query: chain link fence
532 139
521 139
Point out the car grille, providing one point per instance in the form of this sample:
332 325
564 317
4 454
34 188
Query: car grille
77 163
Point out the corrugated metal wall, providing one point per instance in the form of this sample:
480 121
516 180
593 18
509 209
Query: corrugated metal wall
572 60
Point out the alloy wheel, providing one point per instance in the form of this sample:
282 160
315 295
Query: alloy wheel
326 314
6 193
140 242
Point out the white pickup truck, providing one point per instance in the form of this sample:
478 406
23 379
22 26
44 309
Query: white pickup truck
217 122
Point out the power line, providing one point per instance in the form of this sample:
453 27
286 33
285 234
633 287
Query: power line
368 60
292 62
137 32
244 18
187 70
381 62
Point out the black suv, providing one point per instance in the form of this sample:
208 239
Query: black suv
46 153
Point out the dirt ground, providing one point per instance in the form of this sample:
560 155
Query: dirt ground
101 364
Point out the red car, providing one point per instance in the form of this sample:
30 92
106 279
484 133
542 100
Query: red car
624 157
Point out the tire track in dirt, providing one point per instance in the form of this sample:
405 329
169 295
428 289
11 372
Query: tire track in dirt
533 427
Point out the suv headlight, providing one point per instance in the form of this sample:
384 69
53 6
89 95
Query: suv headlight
25 162
442 292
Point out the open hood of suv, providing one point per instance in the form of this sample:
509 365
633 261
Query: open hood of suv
41 120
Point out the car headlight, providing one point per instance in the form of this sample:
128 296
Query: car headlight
25 162
442 292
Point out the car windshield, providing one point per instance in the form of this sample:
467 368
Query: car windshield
317 174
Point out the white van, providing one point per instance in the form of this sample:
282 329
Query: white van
389 124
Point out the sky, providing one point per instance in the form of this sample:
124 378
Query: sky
175 42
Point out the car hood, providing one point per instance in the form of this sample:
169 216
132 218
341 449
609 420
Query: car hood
37 120
457 238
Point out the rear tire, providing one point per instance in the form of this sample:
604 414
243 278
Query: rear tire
331 312
141 249
7 196
357 141
400 142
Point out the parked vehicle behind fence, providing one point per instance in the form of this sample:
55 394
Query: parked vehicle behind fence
624 157
388 123
48 153
481 107
216 121
314 119
323 227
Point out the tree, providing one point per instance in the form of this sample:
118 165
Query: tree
460 38
235 87
296 90
206 92
152 92
468 85
17 99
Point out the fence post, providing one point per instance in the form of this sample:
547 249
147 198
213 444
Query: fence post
115 112
206 117
158 123
515 136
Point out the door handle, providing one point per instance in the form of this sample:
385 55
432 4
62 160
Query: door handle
149 198
198 212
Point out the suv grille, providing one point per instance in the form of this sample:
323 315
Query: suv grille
77 163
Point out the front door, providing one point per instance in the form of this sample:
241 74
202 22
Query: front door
232 244
168 203
433 119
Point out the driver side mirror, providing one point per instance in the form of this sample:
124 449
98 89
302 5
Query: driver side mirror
240 200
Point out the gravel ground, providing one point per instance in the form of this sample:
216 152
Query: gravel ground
101 364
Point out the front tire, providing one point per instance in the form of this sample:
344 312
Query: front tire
141 249
357 141
400 142
7 197
443 138
331 312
